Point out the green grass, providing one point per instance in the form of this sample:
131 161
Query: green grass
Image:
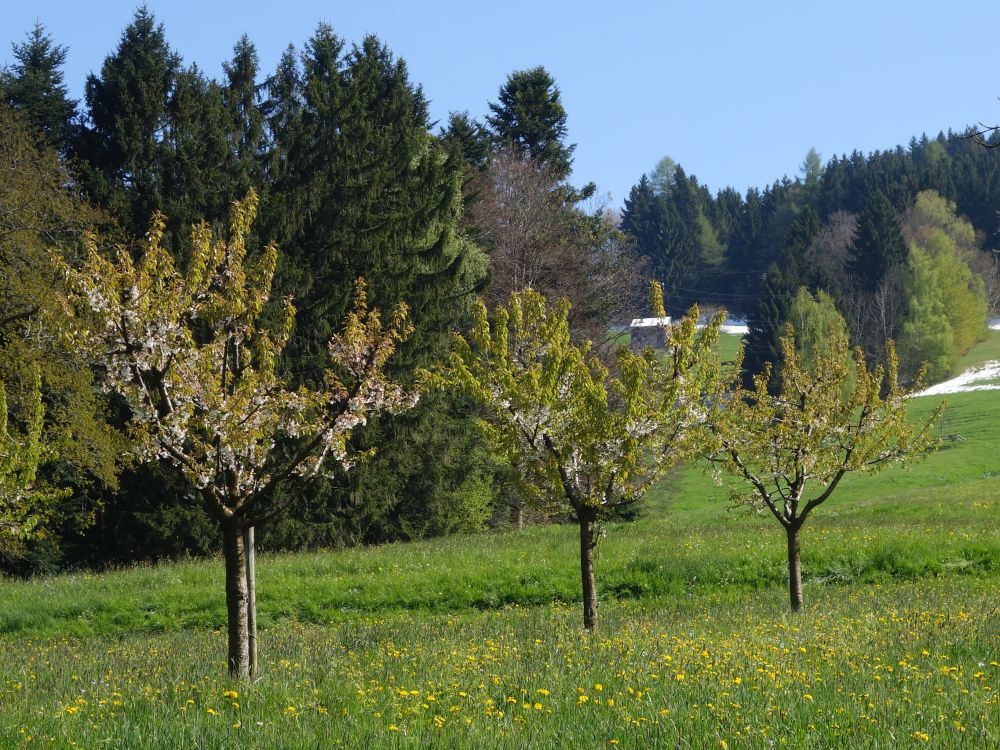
937 517
986 350
880 666
450 643
729 344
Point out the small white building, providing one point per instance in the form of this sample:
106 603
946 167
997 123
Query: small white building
649 332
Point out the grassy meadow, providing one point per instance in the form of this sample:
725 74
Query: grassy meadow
475 642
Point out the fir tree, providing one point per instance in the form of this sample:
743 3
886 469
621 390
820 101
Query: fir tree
767 321
469 137
878 243
529 116
34 86
128 106
241 96
361 188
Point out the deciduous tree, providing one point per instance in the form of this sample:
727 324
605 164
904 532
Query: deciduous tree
580 439
790 449
25 502
189 355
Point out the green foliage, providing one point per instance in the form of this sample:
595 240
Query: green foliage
361 188
199 373
468 137
816 429
927 336
813 319
34 87
41 220
812 169
777 296
878 245
24 504
128 106
671 230
577 436
946 305
530 118
826 420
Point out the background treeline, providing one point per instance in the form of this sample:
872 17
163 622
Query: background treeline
354 180
899 242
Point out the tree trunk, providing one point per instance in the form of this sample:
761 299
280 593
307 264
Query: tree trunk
236 601
517 515
251 565
794 569
587 571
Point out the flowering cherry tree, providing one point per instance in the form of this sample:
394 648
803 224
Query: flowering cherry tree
577 436
831 416
189 354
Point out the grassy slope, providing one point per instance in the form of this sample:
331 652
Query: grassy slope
452 642
985 350
937 516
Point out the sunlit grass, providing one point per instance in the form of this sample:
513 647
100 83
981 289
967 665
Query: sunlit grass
475 642
870 666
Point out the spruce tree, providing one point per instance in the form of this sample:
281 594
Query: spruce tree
128 108
361 188
529 117
878 243
34 86
766 324
469 137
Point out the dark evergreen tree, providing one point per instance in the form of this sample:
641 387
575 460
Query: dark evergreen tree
469 137
529 117
361 188
241 97
878 243
766 323
665 229
638 216
128 107
34 86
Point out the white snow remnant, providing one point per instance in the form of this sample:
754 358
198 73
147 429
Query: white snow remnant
970 380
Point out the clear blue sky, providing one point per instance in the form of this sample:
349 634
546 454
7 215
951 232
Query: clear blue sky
735 92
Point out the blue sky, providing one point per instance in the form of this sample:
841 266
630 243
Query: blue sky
735 92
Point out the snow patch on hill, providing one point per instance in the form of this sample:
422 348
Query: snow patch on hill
970 380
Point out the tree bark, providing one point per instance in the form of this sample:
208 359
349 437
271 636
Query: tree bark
587 571
236 600
517 515
251 567
794 568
